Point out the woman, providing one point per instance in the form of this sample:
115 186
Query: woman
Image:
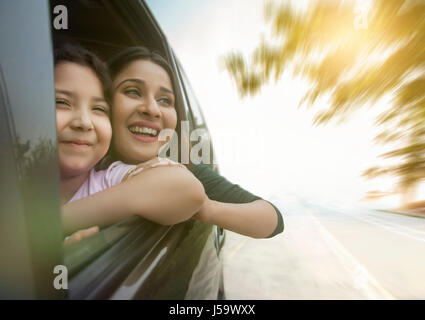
143 105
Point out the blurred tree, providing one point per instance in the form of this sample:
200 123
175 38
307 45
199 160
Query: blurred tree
355 56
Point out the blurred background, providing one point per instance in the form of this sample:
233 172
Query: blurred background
319 106
332 61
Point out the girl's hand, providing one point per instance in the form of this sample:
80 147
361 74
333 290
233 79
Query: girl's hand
152 163
80 235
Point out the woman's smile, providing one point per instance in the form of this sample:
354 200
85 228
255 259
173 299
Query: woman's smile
145 131
143 135
143 105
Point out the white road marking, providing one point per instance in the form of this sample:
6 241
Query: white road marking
363 280
236 249
389 226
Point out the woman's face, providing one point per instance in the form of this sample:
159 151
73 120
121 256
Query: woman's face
143 105
82 119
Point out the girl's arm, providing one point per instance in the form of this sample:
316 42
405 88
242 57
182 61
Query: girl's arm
165 195
257 219
80 235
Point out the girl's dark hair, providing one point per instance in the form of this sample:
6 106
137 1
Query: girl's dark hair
79 55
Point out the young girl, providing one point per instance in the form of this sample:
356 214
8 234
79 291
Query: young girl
144 104
167 193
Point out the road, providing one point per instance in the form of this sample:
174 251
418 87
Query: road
329 252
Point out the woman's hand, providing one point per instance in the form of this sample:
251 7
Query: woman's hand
206 212
80 235
152 163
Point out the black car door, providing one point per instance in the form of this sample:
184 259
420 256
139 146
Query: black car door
30 228
134 259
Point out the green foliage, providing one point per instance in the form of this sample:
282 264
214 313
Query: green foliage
354 66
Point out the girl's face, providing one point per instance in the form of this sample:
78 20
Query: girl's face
143 103
82 119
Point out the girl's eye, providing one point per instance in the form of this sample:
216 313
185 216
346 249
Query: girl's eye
62 102
101 109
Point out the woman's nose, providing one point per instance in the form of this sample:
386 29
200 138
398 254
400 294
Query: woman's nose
150 108
82 121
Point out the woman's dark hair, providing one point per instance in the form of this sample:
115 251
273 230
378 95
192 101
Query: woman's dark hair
79 55
122 59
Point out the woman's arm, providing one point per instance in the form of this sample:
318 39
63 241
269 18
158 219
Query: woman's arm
257 219
165 195
235 208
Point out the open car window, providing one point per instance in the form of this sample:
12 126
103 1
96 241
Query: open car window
135 258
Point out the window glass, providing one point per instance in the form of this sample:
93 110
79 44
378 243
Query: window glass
197 115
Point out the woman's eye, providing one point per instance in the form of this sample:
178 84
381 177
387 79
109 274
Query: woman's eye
166 101
133 92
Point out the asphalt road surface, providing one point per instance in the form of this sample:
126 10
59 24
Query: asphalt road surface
328 252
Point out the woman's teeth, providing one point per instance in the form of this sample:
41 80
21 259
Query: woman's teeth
144 130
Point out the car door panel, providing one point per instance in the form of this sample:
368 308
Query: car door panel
30 216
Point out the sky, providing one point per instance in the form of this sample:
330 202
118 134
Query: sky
266 144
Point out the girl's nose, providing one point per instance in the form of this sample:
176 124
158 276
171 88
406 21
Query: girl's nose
82 121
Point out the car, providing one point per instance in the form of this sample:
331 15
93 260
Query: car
133 259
